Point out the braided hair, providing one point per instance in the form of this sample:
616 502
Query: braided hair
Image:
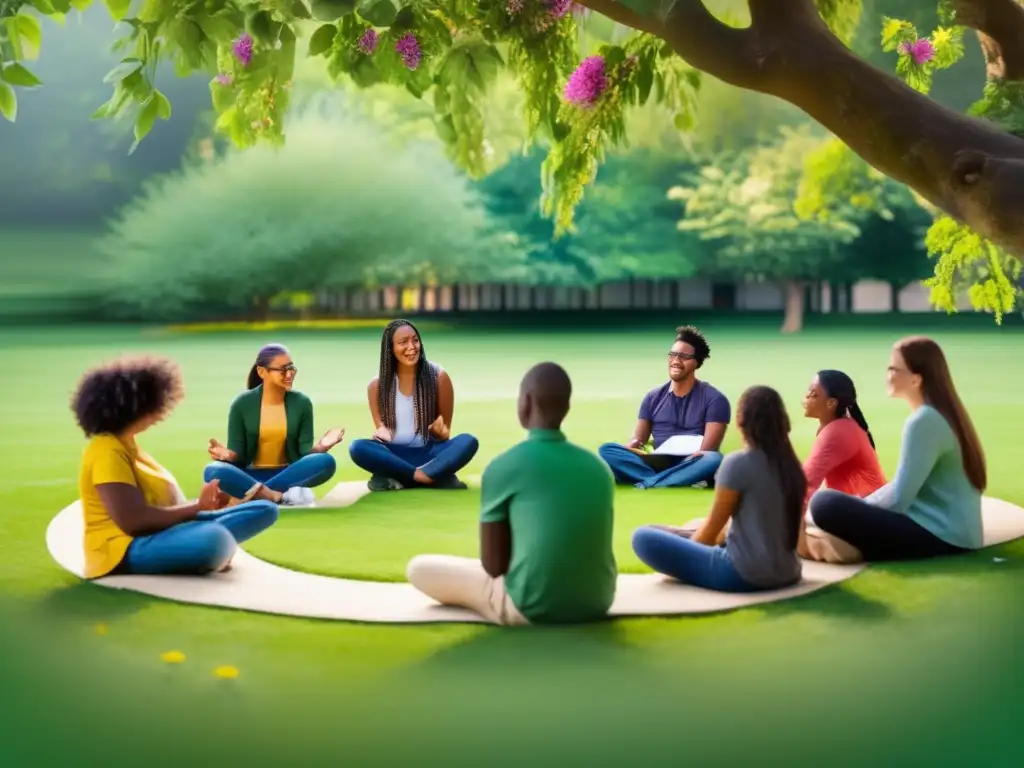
838 386
765 426
425 393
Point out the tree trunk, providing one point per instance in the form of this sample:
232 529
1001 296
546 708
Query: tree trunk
793 322
965 166
261 309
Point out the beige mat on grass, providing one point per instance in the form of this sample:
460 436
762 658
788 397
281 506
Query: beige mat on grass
255 585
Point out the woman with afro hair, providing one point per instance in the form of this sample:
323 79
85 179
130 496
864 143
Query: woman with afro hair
137 520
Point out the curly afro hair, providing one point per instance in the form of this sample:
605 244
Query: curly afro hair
688 334
115 395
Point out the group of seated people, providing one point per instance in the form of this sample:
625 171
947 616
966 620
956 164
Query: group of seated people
547 505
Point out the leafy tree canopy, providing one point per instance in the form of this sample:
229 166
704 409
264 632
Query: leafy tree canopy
575 99
743 205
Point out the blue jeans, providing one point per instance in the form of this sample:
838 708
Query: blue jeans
682 471
438 460
688 561
311 470
201 545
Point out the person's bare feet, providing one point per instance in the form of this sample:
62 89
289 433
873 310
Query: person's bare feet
419 477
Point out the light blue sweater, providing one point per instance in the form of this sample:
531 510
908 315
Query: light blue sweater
930 485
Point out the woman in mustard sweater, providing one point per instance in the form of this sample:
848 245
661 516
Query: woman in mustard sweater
270 452
137 519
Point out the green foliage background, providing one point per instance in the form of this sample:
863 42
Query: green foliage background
342 205
757 202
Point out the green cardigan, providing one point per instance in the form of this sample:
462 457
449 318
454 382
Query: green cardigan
244 425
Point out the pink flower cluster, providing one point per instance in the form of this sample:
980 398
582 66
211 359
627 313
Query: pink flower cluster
368 42
408 48
921 50
558 8
242 49
587 83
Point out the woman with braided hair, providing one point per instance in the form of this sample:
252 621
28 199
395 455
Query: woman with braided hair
843 456
411 401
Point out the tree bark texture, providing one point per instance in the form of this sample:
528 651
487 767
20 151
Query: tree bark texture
793 321
965 166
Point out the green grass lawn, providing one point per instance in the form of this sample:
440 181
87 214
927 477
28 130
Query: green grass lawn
910 664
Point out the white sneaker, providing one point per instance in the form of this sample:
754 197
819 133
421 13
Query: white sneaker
298 497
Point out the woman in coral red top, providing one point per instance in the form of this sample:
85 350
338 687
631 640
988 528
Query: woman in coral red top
843 455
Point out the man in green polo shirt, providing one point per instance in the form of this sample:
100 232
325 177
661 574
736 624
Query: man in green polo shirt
545 525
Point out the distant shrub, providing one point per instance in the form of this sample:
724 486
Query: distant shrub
341 204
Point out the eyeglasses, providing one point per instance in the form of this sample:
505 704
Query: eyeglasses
680 356
285 369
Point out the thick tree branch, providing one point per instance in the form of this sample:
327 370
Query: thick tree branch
701 39
964 166
967 167
1000 27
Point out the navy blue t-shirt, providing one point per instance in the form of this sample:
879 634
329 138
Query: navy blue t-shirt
670 415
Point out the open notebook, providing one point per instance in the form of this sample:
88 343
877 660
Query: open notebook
680 445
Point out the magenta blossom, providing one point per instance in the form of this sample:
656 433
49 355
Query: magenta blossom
587 83
242 49
223 79
408 48
921 50
368 42
558 8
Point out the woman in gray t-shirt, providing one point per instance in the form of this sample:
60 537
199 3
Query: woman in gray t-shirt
761 489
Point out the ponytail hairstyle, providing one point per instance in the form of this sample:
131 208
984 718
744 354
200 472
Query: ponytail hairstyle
765 426
839 387
264 357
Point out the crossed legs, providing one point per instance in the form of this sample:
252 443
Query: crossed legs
631 469
308 472
437 460
463 582
199 546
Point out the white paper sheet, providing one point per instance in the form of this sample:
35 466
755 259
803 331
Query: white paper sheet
680 445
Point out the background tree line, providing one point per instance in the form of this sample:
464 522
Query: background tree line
191 228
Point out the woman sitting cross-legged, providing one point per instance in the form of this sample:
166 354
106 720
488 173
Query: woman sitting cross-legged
270 452
760 488
412 402
932 507
136 517
843 456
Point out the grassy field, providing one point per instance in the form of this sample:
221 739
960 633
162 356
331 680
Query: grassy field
911 664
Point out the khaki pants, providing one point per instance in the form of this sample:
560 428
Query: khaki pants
463 582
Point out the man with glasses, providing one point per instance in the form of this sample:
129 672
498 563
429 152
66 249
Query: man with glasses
686 418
